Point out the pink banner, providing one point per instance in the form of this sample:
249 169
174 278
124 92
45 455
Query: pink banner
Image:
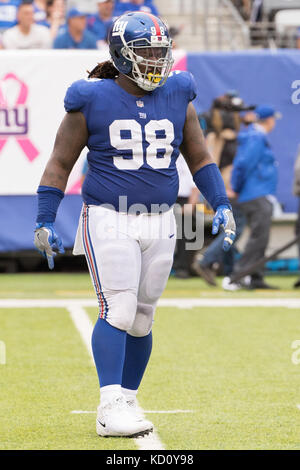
24 142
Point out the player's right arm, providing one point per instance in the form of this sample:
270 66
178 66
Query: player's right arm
72 135
71 138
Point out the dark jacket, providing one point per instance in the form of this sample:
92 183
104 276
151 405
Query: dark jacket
296 187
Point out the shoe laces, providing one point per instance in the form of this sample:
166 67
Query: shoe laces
117 404
132 403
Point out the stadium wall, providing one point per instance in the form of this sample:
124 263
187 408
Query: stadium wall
32 89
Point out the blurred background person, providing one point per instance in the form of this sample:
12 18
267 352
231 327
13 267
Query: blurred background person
223 123
188 197
56 16
147 6
256 14
76 35
50 13
244 7
174 32
254 179
296 190
40 11
26 34
8 13
99 24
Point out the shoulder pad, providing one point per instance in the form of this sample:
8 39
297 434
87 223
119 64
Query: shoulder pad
184 81
79 94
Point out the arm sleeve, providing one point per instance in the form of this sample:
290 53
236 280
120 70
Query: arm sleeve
210 183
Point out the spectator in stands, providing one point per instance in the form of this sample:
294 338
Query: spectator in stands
244 7
26 34
256 11
188 196
254 180
174 32
76 36
298 38
40 11
259 34
136 5
297 193
8 13
100 23
56 16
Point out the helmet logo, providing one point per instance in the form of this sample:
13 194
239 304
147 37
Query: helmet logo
119 28
140 47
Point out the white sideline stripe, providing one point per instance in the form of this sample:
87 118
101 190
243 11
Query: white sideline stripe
82 412
78 412
183 303
83 324
85 327
168 411
246 302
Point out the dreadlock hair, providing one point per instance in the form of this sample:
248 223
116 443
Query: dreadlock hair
104 70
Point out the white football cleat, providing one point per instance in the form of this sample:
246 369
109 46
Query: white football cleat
231 286
116 418
245 282
135 410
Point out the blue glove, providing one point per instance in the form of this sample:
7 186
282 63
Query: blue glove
224 218
46 240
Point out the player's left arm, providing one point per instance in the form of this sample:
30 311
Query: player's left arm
193 146
207 176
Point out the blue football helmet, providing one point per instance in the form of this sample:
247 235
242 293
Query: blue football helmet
141 48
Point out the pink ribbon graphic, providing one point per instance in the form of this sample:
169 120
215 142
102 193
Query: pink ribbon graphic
26 145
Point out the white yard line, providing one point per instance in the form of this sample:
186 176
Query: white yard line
79 412
182 303
83 324
231 302
85 327
47 303
171 412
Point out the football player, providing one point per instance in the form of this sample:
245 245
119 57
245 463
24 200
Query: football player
135 117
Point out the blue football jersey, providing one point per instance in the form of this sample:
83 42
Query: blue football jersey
133 141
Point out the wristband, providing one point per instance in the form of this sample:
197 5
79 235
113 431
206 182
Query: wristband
210 183
49 199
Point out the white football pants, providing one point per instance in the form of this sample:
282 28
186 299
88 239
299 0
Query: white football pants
129 259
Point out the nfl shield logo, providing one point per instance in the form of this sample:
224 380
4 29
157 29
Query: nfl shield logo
140 103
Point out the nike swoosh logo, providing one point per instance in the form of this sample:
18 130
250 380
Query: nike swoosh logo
102 424
171 236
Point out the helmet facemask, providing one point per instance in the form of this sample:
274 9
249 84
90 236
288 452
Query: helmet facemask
151 61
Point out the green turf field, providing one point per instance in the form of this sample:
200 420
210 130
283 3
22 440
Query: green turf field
228 370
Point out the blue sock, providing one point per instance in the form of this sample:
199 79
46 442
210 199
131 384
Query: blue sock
137 355
108 344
